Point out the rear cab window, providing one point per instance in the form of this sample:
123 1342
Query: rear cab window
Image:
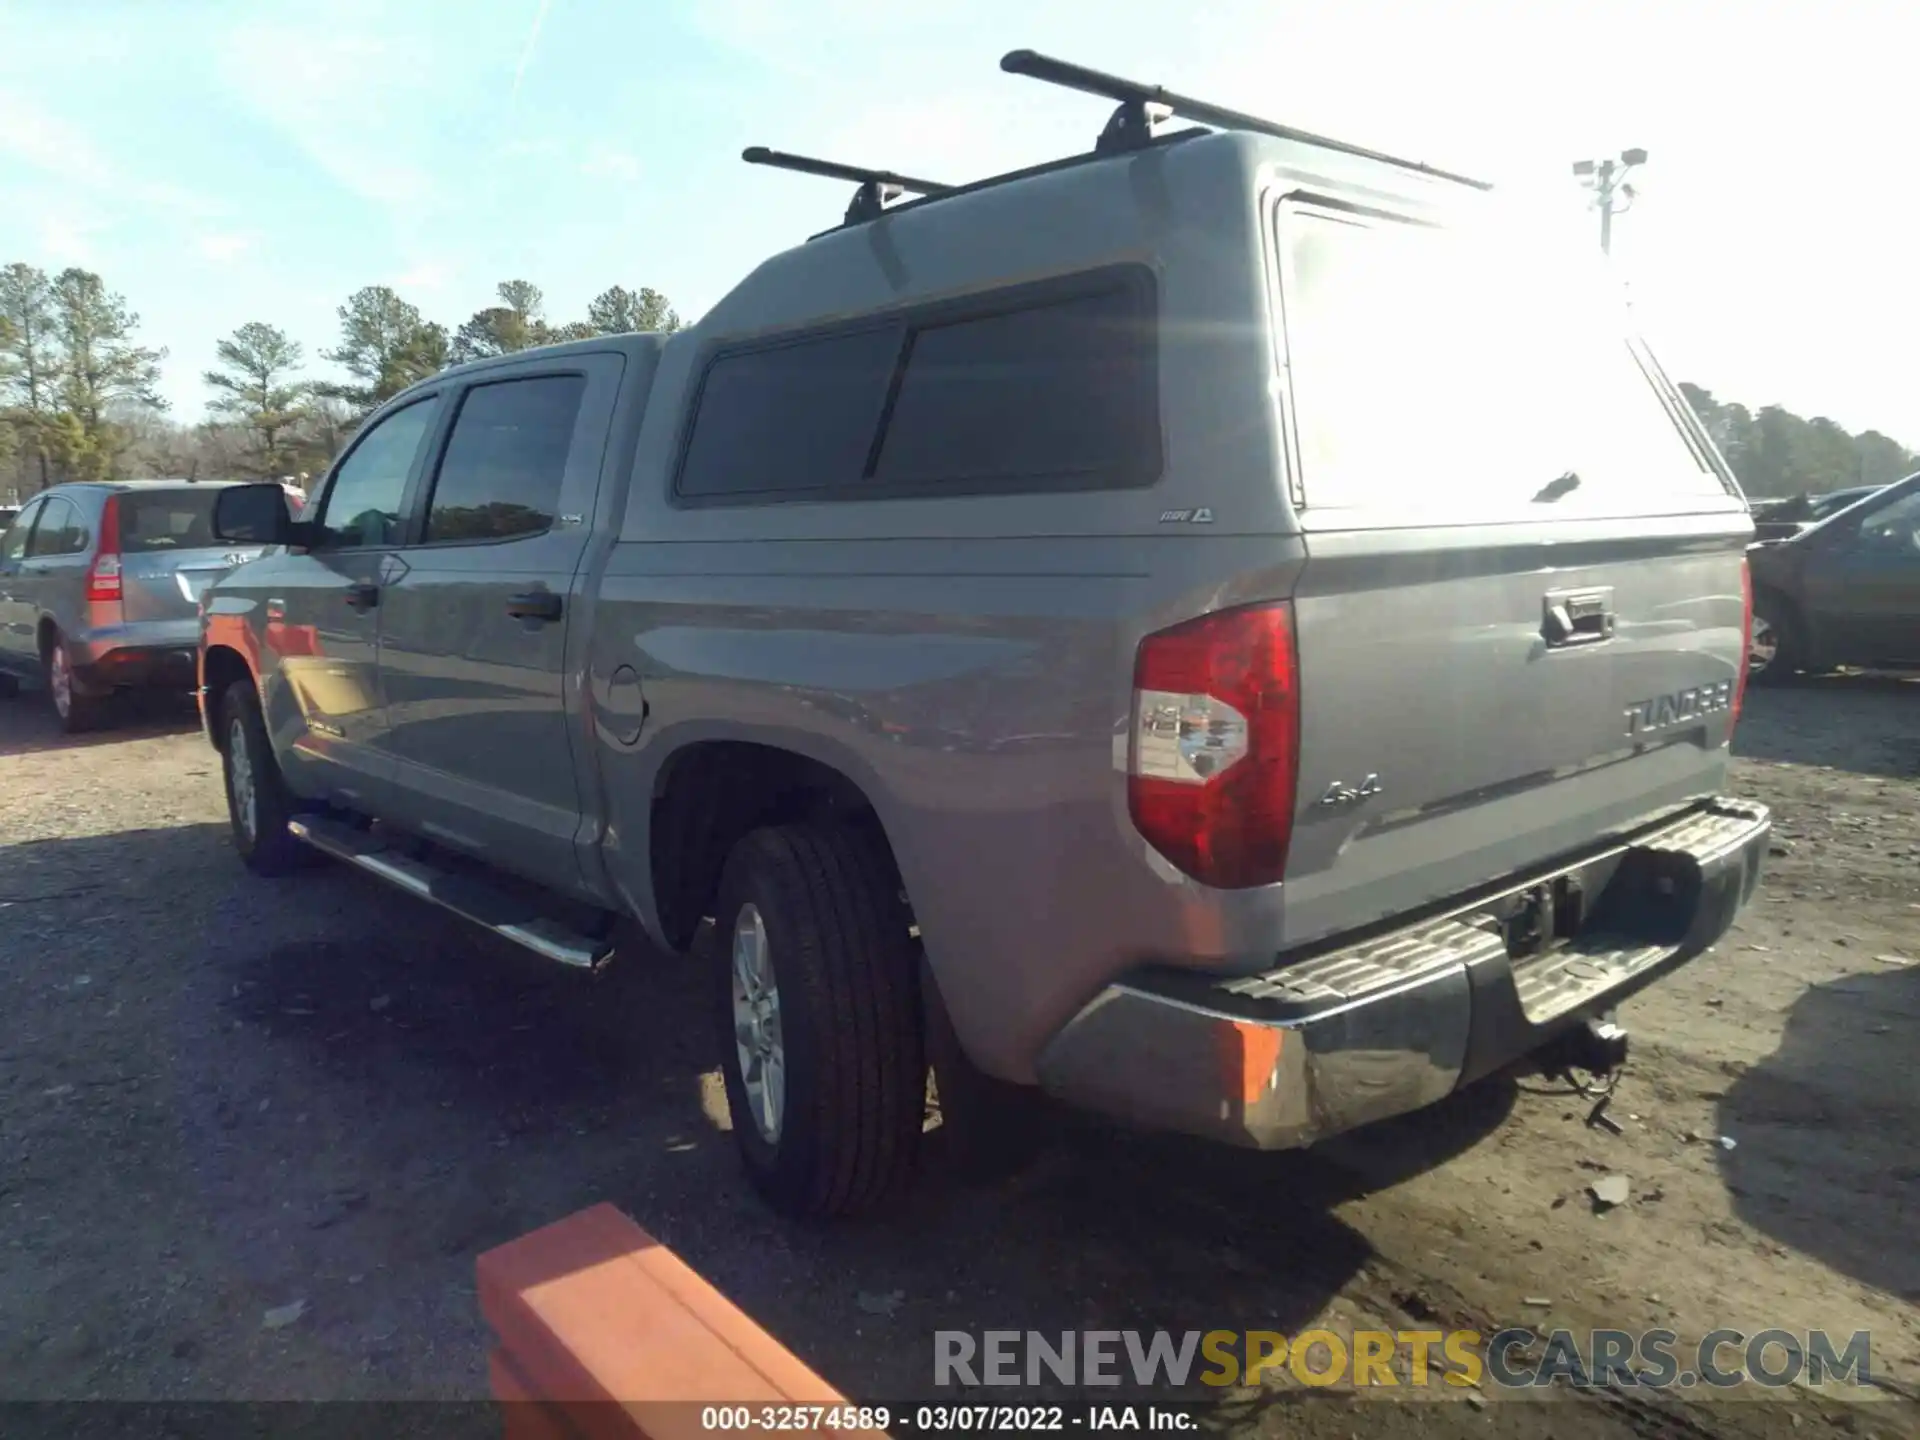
1458 375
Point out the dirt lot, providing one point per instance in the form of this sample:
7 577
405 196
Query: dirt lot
220 1095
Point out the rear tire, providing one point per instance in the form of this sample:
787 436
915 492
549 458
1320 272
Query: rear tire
817 998
73 711
258 803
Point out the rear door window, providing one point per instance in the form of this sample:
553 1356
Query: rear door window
166 520
505 458
1444 374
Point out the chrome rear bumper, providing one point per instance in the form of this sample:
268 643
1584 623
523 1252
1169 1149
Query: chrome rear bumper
1400 1019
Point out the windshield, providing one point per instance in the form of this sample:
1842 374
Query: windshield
1451 370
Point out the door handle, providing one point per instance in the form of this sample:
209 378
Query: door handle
534 605
1577 617
363 596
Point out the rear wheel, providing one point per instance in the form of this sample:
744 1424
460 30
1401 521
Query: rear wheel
816 995
258 803
73 710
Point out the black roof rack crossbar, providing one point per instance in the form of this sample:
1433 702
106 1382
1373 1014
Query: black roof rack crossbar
1142 106
877 187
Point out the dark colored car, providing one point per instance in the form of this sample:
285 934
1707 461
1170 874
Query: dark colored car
1844 591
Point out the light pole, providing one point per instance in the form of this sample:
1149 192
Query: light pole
1607 179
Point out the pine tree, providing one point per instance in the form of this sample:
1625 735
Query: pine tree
620 311
385 345
259 390
101 368
30 371
517 323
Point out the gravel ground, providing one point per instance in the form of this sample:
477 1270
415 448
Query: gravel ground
220 1095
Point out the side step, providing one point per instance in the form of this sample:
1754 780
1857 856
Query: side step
506 916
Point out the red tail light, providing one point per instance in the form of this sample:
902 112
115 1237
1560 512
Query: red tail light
1215 752
1746 644
103 576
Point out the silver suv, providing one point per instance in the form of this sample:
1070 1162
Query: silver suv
1162 628
100 586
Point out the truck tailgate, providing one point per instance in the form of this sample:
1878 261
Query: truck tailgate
1474 705
1522 609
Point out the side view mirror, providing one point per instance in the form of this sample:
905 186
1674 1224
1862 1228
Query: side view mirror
255 515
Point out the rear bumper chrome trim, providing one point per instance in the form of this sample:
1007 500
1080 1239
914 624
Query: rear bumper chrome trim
1401 1019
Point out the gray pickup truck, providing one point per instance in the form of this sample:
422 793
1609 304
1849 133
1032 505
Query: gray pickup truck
1164 627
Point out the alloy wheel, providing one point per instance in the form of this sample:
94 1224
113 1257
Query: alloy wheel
240 781
60 680
756 1024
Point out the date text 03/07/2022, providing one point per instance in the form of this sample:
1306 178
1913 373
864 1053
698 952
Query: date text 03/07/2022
948 1417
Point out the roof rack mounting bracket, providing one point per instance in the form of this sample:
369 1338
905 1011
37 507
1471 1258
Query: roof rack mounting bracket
875 188
1142 105
1131 126
869 201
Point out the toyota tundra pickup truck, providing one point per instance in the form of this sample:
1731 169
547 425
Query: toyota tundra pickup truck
1164 626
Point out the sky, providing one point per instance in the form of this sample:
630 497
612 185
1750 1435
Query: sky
224 162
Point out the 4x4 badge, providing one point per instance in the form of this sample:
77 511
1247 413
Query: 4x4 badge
1341 793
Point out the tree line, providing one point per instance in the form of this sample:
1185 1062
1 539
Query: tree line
79 393
1776 453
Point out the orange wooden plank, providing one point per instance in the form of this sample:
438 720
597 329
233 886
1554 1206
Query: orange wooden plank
523 1415
791 1378
596 1316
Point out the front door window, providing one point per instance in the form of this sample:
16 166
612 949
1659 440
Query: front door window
362 506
